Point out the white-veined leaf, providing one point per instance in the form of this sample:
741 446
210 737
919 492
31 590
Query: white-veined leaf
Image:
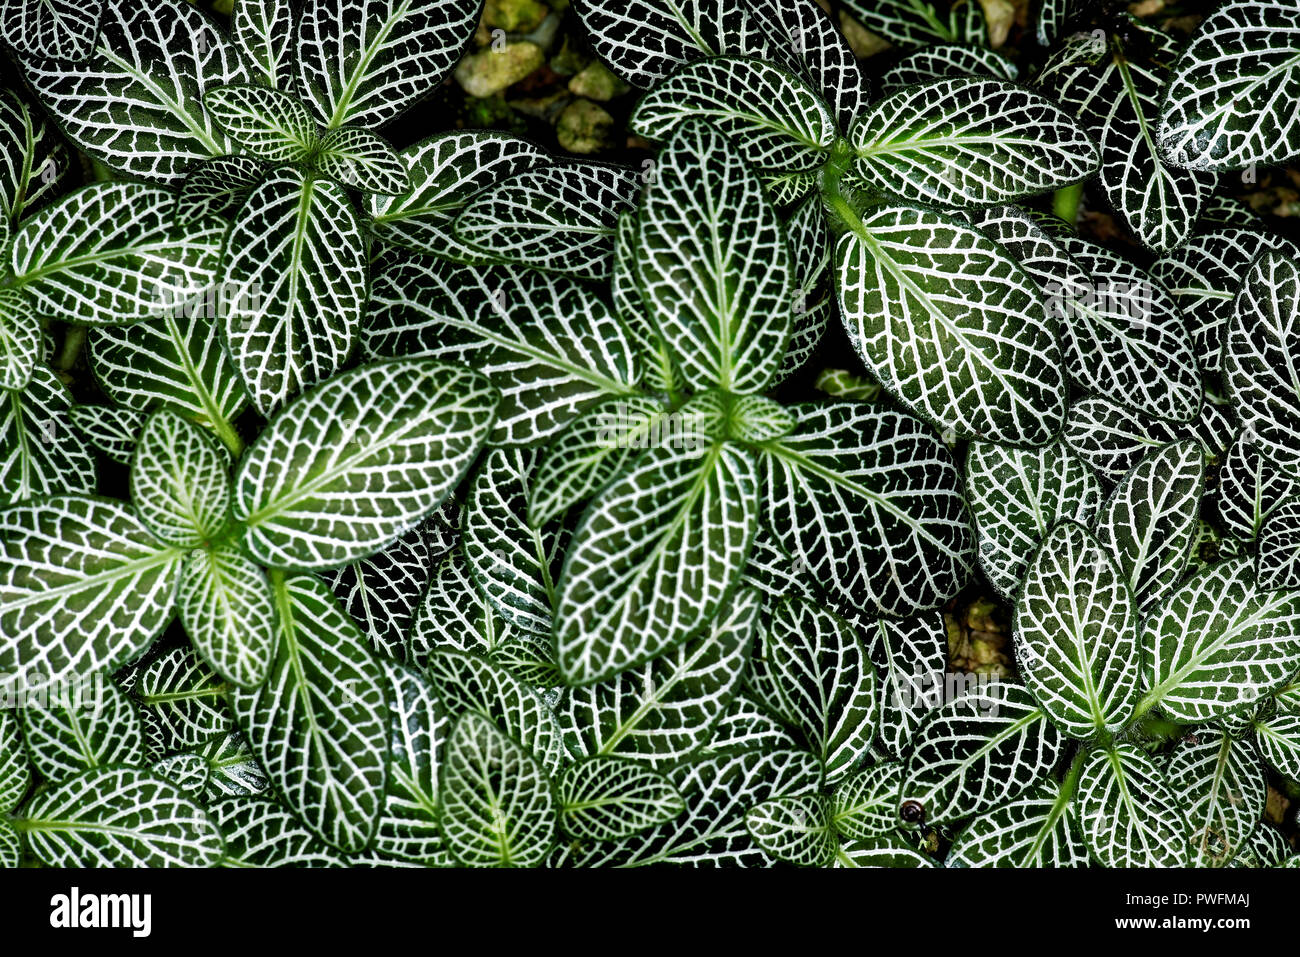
175 360
1204 276
264 32
1016 496
35 163
645 40
747 725
1127 812
968 141
1076 631
271 125
362 62
1112 83
1278 738
83 586
604 799
654 556
773 119
232 770
868 501
454 613
990 368
110 429
218 187
814 301
261 833
381 592
90 724
892 851
559 218
113 254
1228 102
1222 786
1113 439
180 481
15 772
362 160
226 606
359 460
514 564
1267 847
50 29
1278 562
41 453
947 60
806 37
795 829
119 817
909 23
975 752
189 772
319 725
1220 642
469 683
711 832
497 809
1259 350
182 701
21 343
812 667
865 804
547 343
418 726
136 102
669 707
1036 829
1148 524
446 171
911 657
295 258
1251 485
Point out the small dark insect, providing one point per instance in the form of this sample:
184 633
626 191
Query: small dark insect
912 812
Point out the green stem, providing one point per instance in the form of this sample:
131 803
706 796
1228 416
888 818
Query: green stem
843 216
1065 203
72 343
226 432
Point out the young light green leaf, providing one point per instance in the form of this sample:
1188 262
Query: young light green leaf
1076 633
604 799
1127 812
715 267
83 586
1016 496
1226 103
362 62
795 829
180 481
669 707
968 141
91 724
497 806
446 171
654 557
773 119
136 102
992 370
976 751
1220 642
362 160
271 125
225 603
1148 524
359 460
295 257
118 817
319 725
838 503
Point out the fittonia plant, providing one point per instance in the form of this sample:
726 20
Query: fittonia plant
466 504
